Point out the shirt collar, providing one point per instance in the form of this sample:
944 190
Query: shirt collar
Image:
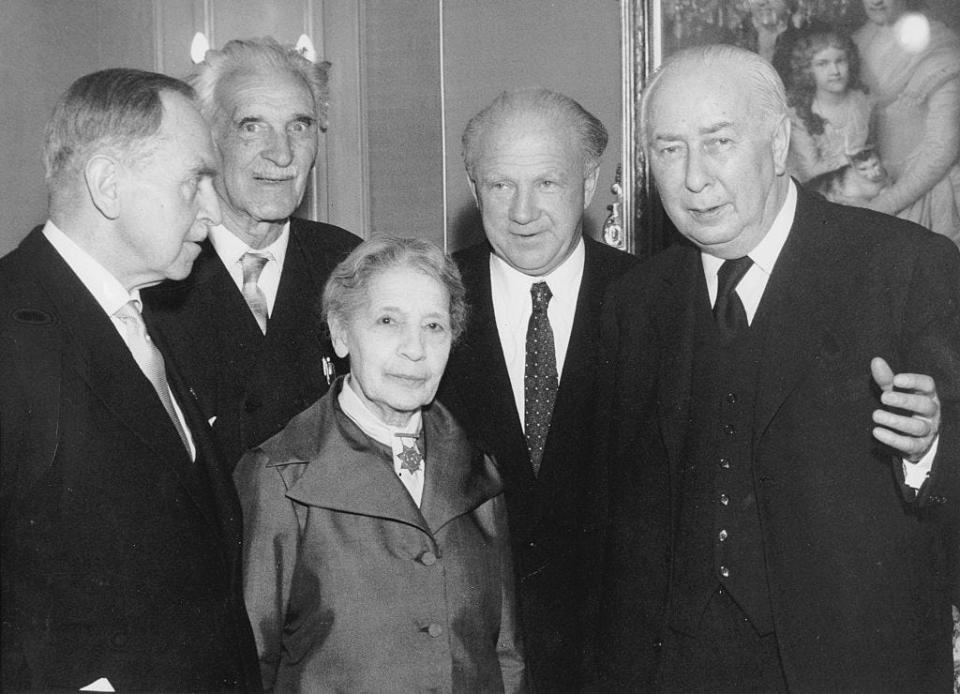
564 281
106 289
764 255
231 249
369 422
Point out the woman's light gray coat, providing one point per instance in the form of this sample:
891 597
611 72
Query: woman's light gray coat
350 587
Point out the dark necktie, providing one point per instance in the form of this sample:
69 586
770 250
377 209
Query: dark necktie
728 311
252 264
540 375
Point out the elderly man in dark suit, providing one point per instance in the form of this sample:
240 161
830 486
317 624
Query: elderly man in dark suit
244 326
522 378
121 531
762 539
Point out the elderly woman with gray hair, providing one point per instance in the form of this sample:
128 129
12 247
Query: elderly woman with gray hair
376 555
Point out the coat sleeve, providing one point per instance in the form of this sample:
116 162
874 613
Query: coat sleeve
270 529
509 643
932 346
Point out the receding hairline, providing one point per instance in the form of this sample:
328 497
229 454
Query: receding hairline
759 80
520 107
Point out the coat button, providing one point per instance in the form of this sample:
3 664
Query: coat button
732 398
725 572
435 630
725 463
723 535
428 558
729 429
724 499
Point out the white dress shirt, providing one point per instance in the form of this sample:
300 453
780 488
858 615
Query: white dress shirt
109 294
371 425
750 290
231 249
512 306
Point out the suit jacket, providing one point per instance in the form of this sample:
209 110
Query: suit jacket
549 515
857 565
352 586
252 383
121 557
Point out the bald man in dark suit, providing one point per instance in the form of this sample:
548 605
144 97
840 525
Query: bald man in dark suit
532 158
121 529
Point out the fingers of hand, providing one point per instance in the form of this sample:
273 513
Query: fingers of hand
882 373
919 404
920 383
909 447
911 426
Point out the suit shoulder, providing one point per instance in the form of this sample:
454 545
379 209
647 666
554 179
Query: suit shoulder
19 284
471 256
611 262
323 238
646 274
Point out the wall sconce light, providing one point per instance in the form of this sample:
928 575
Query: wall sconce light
199 47
305 46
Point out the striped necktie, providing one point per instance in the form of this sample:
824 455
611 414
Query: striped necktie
150 361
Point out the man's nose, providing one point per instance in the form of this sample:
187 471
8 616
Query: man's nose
209 211
696 175
279 151
523 207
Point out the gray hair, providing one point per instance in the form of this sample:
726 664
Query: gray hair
768 95
118 109
558 110
346 289
247 56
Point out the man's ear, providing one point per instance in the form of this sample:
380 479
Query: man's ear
590 185
102 177
781 145
338 336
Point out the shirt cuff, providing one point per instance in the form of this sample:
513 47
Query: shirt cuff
915 474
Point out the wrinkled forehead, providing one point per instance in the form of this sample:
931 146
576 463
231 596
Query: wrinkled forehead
276 89
698 97
530 135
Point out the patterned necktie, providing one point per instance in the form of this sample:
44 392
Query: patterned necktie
540 375
728 311
149 359
252 267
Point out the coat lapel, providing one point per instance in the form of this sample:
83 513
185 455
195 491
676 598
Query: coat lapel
676 325
794 314
481 374
295 329
458 479
95 351
343 474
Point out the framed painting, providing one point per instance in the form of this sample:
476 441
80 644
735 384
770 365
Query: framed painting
651 30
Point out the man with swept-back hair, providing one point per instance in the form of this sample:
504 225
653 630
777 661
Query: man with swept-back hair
782 411
121 532
244 325
522 379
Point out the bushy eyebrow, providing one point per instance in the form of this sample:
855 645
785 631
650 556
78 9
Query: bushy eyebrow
297 117
707 130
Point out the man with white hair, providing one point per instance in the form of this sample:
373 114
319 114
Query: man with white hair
763 536
245 325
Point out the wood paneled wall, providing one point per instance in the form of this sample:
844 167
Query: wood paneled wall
406 76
